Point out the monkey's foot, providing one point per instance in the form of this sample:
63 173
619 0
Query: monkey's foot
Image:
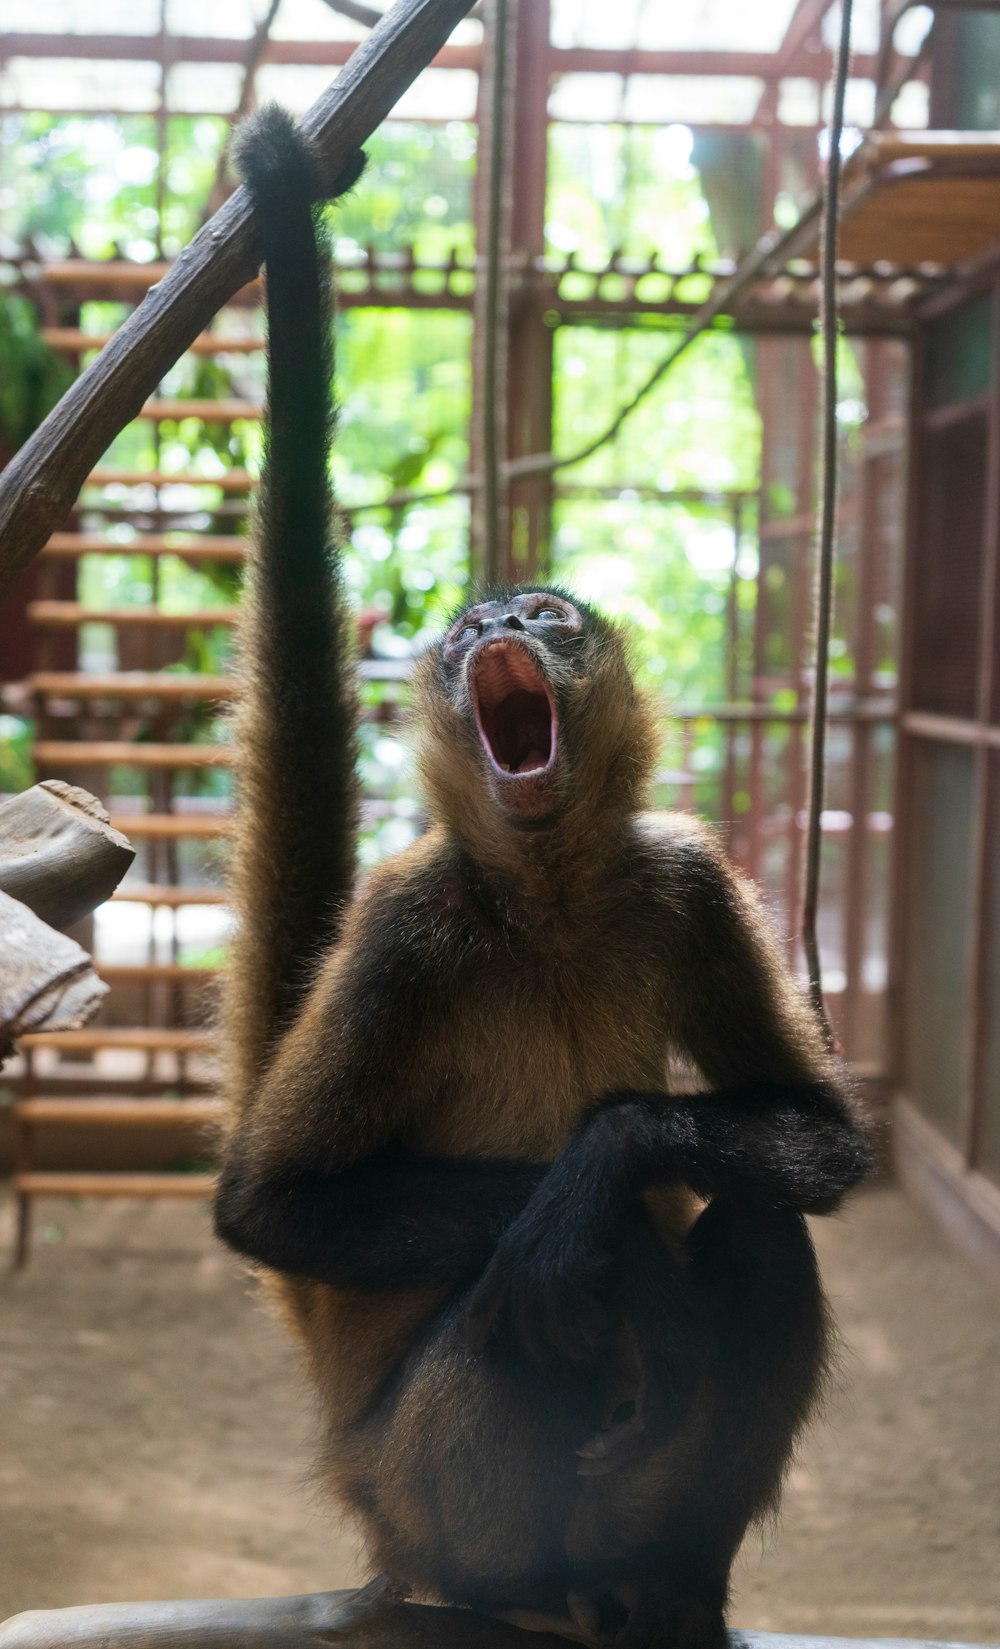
582 1622
620 1436
363 1607
660 1619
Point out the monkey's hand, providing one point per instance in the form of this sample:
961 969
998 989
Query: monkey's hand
547 1286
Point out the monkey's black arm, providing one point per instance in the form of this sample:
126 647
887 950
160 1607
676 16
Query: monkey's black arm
392 1221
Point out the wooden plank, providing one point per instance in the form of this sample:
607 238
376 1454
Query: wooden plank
106 1111
222 411
174 898
133 684
112 475
156 973
77 342
109 753
71 614
124 1038
35 1183
209 548
172 826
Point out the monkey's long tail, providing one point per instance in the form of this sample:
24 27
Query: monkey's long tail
295 844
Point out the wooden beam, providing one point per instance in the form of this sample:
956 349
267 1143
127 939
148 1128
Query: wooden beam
59 853
39 485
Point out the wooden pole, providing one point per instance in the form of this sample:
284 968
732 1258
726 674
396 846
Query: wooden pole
43 479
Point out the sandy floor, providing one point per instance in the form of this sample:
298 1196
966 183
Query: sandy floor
154 1433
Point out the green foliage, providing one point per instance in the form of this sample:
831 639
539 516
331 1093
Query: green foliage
32 378
17 769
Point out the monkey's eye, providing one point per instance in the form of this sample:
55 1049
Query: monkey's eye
468 630
548 612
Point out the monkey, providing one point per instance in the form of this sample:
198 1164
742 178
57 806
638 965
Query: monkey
525 1129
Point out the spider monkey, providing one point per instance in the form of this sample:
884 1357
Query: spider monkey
561 1309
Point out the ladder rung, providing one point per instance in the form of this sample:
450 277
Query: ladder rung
153 893
223 411
133 684
130 1038
155 973
209 548
112 753
65 1184
109 1112
71 614
107 475
172 826
209 343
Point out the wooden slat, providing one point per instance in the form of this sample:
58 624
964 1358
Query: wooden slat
109 753
155 973
65 1184
172 826
208 548
129 1038
77 342
71 614
225 410
110 1112
154 893
133 684
109 475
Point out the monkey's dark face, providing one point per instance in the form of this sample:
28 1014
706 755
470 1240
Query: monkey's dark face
498 658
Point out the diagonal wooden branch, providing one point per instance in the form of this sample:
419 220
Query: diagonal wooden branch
41 482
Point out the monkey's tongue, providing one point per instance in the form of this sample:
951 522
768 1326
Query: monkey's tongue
515 715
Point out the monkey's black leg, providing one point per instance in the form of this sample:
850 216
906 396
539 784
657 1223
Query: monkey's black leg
755 1271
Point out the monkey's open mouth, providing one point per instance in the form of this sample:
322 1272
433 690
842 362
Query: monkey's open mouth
514 709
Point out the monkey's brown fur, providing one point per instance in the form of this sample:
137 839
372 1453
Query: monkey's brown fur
485 989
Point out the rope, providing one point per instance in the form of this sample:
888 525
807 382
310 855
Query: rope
827 523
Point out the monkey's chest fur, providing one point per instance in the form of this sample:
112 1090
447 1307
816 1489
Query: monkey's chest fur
545 1016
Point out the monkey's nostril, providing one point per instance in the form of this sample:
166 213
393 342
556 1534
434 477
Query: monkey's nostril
513 622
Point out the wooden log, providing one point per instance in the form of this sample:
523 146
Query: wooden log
266 1623
47 981
59 853
342 1618
39 485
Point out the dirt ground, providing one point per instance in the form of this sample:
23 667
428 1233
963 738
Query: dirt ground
154 1433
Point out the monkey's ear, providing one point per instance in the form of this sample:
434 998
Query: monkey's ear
349 174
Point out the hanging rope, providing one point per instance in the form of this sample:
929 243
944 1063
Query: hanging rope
827 521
